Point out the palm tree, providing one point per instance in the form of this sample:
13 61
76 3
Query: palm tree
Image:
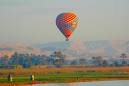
124 56
97 60
105 63
59 58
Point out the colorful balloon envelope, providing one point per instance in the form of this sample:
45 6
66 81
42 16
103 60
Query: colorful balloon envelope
67 23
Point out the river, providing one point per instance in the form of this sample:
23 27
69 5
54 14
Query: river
97 83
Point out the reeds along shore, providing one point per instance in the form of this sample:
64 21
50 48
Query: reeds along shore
62 75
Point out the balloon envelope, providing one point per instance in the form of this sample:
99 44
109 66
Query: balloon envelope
67 23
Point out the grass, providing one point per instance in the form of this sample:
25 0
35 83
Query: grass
65 77
59 75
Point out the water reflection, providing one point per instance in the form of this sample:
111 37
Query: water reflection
99 83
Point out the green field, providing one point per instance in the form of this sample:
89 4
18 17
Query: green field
66 77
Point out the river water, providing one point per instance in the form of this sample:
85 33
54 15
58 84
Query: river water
97 83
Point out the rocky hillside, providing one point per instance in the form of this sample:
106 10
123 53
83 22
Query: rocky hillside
75 49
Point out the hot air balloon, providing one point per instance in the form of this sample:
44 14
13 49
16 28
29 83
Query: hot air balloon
67 23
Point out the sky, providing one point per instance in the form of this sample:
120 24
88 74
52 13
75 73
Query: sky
33 21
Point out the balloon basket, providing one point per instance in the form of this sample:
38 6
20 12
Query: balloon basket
67 40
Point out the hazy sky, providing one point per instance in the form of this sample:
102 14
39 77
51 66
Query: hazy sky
33 21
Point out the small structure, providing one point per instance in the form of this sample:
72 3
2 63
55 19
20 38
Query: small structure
32 77
10 77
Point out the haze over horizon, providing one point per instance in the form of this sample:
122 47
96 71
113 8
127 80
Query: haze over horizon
33 21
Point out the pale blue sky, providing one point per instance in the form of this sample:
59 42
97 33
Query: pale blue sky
33 21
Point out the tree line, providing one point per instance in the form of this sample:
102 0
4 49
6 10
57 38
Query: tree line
57 59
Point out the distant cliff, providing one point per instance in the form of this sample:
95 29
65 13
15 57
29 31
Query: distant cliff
73 49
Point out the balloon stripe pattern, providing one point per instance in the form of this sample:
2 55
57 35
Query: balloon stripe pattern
67 23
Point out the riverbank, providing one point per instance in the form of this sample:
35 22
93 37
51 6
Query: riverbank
72 81
62 75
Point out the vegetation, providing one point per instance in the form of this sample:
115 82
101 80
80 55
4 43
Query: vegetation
63 75
56 68
57 59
